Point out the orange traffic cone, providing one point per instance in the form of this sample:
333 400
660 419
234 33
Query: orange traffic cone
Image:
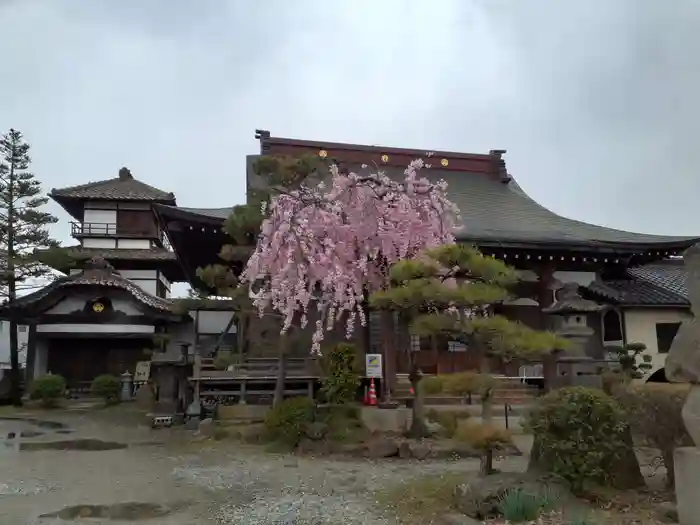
372 394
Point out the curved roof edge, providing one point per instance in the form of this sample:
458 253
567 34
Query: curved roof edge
203 215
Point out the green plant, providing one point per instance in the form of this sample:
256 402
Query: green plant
581 432
106 387
518 506
223 359
633 359
48 389
448 419
285 423
431 385
341 377
654 414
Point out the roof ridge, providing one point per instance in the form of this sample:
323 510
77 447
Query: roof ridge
91 184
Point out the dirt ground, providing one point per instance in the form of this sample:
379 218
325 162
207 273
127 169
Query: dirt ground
163 477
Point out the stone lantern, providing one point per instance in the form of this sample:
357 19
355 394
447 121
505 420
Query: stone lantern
575 367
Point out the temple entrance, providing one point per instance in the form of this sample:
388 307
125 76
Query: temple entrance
80 360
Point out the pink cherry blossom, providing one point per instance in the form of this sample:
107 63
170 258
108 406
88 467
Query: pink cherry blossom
325 245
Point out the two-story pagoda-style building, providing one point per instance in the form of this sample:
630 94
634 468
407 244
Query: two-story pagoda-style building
113 308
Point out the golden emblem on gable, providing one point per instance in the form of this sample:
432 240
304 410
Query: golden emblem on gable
323 153
385 158
444 162
98 307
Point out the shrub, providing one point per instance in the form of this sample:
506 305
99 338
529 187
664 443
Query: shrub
581 432
431 385
654 414
106 387
466 384
48 389
286 422
447 419
484 436
341 377
518 506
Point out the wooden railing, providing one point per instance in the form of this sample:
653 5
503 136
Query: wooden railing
252 378
255 368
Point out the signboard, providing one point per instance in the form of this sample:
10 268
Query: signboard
373 366
142 372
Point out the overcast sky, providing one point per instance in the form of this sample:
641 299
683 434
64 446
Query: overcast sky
596 101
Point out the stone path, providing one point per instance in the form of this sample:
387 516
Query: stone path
219 483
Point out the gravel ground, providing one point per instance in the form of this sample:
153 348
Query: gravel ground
211 483
300 491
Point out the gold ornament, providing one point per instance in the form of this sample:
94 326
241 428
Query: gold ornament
323 153
444 162
98 307
385 158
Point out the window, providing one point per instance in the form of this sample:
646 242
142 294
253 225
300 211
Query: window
456 346
22 328
665 332
612 327
415 343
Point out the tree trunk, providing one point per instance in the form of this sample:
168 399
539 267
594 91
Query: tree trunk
281 370
486 463
670 469
625 467
388 329
15 374
418 428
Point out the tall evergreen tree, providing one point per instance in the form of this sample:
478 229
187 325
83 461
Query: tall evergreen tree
23 230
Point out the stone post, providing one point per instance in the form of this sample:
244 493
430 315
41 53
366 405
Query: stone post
683 366
127 386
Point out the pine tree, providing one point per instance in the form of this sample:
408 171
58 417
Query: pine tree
450 292
23 230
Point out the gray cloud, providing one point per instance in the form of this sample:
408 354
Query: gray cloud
595 101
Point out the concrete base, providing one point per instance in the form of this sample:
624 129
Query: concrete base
385 420
687 463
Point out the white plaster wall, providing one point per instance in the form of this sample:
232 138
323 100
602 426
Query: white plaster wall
640 327
147 285
138 274
99 243
134 244
215 322
22 335
100 216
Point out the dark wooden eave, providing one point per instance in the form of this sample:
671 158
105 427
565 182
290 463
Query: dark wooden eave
125 258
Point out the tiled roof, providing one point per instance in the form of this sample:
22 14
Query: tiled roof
123 254
97 273
655 284
123 187
495 212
